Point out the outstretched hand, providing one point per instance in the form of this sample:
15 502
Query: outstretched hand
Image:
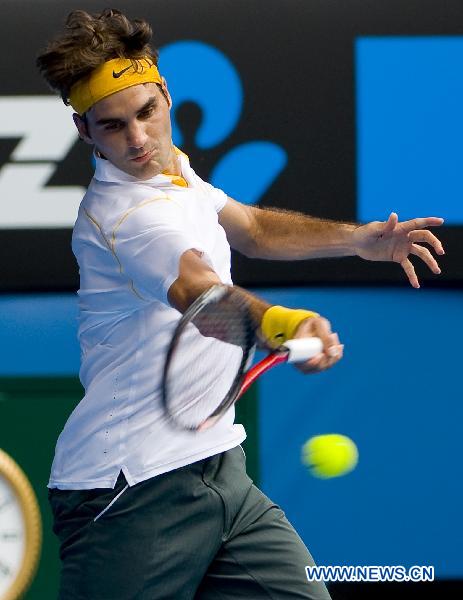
393 241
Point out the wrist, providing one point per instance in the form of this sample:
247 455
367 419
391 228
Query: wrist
358 238
351 238
280 323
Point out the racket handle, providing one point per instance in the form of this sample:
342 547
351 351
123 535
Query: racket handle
302 349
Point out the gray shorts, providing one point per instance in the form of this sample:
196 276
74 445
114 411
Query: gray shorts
201 532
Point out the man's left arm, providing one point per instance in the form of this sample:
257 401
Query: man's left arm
286 235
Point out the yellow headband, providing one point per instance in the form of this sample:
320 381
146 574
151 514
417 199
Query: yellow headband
111 77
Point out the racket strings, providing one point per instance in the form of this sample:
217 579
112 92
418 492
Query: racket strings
206 361
228 321
201 372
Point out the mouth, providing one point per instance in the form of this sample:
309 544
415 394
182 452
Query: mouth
143 158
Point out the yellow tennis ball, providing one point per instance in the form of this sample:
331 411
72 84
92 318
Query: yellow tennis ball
330 455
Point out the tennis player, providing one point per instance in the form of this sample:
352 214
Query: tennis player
144 510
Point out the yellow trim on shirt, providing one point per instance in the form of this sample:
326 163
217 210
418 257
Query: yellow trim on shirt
177 179
121 270
119 223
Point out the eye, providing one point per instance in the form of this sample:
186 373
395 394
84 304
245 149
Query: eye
146 114
112 126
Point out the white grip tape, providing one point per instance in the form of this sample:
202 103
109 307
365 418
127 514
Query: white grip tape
302 349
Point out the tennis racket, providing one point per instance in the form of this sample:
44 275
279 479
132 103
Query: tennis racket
194 395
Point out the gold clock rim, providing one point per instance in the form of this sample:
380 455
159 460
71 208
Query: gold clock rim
33 525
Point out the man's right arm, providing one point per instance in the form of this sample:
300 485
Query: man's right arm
195 276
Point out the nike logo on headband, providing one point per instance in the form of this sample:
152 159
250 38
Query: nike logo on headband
117 75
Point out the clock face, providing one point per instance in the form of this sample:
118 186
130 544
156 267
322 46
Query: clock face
12 536
20 530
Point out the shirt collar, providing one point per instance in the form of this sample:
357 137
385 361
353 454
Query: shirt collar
106 171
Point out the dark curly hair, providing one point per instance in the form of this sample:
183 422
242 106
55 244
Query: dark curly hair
90 40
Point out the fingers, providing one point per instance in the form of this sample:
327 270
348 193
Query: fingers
332 348
329 357
421 223
390 223
410 272
428 238
426 257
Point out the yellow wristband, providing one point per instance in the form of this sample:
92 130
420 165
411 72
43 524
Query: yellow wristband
279 323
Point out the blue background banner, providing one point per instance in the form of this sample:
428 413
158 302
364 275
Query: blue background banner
409 127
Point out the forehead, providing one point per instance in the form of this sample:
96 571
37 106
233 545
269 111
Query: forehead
125 103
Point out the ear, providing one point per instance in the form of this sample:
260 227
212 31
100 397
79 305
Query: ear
82 128
166 91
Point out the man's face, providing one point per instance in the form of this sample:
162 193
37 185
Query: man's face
132 129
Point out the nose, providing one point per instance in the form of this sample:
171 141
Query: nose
136 135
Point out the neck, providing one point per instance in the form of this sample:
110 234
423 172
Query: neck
173 165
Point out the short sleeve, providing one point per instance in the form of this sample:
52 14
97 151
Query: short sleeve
219 198
148 243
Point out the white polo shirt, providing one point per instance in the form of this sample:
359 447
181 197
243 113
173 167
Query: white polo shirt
128 239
